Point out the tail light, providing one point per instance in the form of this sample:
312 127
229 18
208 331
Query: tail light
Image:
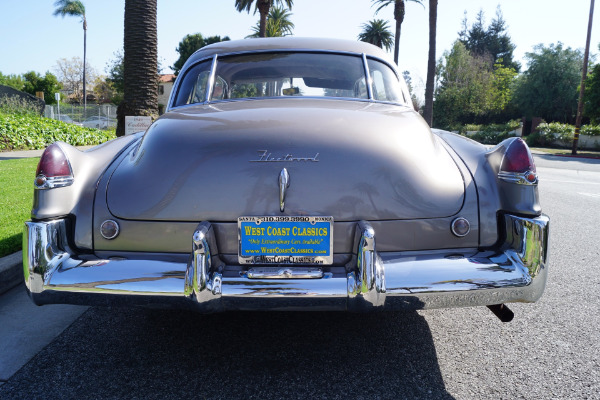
53 169
517 164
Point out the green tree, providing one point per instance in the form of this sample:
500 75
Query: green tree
469 90
115 71
502 88
464 88
413 97
377 32
548 88
399 14
140 62
70 74
278 24
189 44
75 8
104 90
592 94
263 7
14 81
48 84
492 42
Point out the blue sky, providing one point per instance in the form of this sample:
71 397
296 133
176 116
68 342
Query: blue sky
31 38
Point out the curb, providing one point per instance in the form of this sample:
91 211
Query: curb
11 271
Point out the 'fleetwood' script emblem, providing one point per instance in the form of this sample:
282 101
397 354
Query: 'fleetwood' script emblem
266 156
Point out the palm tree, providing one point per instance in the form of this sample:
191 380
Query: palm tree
377 32
140 62
399 13
428 111
263 7
278 24
75 8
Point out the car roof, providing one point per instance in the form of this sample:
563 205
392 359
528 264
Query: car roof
288 43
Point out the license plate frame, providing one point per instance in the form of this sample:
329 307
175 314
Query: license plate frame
299 240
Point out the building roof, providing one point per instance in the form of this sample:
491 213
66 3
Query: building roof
166 78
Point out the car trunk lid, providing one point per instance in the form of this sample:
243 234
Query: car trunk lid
347 159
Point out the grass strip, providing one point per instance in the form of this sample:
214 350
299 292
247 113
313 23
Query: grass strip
16 195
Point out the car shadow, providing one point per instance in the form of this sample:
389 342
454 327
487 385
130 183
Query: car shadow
142 353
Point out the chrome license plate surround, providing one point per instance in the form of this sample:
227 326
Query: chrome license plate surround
295 240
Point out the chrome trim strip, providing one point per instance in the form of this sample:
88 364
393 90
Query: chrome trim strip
368 80
54 182
519 178
284 184
211 79
291 272
514 272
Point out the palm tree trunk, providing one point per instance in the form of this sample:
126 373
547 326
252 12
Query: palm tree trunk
399 11
263 9
397 41
140 62
84 58
428 112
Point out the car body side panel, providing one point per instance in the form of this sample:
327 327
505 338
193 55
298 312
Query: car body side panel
78 199
494 195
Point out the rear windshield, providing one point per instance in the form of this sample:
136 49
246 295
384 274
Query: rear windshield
288 74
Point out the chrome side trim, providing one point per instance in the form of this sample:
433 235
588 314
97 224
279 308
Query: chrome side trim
368 80
516 271
518 177
211 79
53 182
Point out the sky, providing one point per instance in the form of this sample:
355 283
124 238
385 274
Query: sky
32 39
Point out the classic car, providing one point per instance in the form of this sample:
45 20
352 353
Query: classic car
99 122
67 119
288 174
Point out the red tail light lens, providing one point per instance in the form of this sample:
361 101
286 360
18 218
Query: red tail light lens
53 169
517 164
518 158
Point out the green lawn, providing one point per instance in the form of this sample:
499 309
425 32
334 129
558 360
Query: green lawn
16 195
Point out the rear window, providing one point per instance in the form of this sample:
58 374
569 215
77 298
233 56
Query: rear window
288 74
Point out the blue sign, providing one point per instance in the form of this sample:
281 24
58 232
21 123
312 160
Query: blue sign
286 239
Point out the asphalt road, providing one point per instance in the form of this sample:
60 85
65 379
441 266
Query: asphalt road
551 350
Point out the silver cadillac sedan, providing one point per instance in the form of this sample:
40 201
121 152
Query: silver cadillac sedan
288 174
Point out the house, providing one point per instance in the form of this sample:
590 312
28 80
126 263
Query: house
165 85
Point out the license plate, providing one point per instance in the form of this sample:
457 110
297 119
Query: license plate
285 240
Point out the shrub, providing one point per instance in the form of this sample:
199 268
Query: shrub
17 105
490 134
591 130
22 132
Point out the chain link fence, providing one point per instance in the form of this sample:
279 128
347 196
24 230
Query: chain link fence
102 116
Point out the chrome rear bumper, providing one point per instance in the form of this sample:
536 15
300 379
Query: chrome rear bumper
514 272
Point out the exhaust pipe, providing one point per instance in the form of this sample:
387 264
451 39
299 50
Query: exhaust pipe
502 312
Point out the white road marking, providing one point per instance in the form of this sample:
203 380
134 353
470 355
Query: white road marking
563 181
590 194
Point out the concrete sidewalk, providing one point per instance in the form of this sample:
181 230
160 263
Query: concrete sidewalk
11 155
11 271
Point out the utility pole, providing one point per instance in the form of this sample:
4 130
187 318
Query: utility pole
583 76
